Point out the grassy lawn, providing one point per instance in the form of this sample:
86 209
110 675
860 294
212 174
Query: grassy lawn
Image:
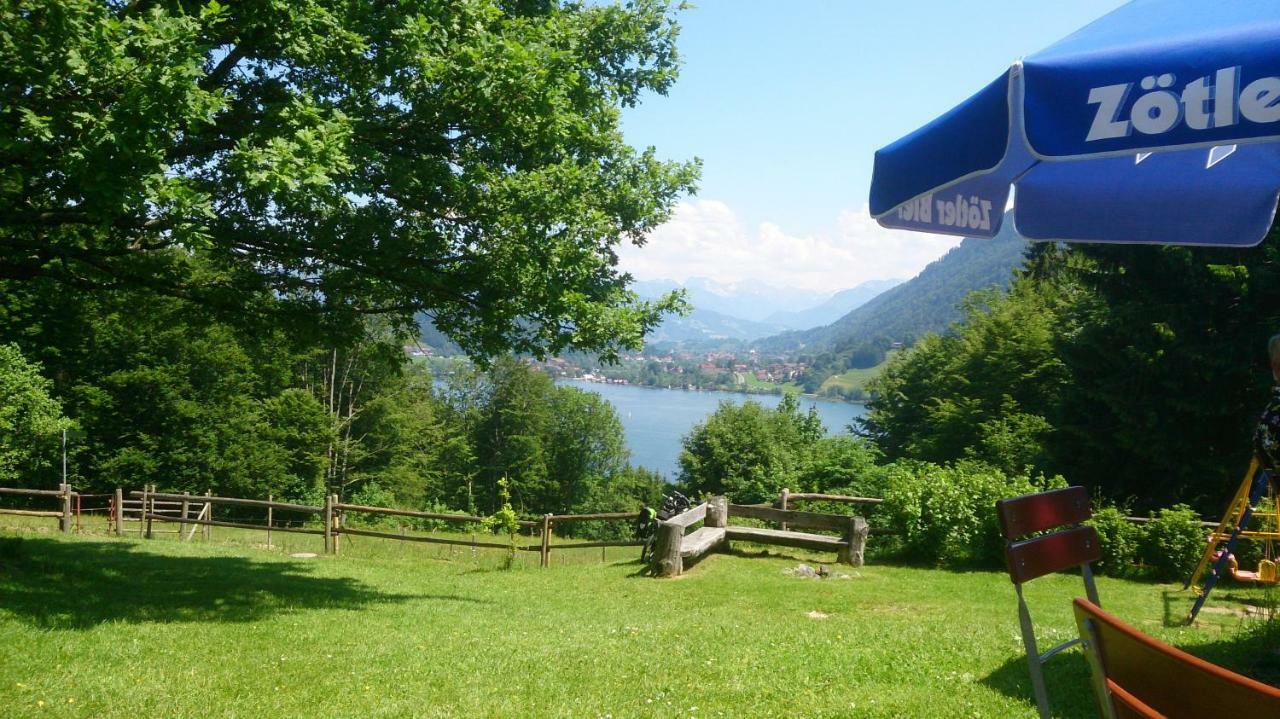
855 378
102 627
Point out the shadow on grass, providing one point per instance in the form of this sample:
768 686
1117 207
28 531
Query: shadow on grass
1066 677
78 585
1253 652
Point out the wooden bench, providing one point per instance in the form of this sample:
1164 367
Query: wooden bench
1137 676
673 548
849 546
786 538
701 541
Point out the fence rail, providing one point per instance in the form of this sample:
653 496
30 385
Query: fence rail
32 492
422 538
788 496
236 501
63 494
443 516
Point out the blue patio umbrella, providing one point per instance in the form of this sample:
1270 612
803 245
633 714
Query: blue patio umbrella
1158 123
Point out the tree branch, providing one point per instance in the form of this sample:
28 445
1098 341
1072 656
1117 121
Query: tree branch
219 74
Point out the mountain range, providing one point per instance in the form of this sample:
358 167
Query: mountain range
929 302
786 319
748 311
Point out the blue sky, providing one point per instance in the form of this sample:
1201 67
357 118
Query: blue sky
786 102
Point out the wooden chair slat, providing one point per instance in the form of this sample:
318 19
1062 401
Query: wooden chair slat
1128 706
1020 516
1032 558
1167 680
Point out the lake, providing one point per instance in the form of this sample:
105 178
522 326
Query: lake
655 420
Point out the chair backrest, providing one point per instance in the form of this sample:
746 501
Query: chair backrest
1138 676
1035 557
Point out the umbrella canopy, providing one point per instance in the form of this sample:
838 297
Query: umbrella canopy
1159 123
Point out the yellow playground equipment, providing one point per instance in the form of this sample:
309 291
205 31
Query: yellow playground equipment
1218 559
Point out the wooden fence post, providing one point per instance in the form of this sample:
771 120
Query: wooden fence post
337 525
119 512
546 540
269 497
717 512
856 536
64 522
148 507
186 507
208 509
786 494
666 550
328 524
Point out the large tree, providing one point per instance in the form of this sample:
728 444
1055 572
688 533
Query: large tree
327 159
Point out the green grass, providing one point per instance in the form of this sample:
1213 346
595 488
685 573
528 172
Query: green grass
855 378
102 627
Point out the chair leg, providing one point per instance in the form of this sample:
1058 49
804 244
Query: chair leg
1089 638
1090 587
1033 656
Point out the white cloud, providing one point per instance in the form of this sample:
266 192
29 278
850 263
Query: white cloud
705 238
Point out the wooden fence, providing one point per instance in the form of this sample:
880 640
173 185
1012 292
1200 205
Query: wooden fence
195 512
335 519
63 494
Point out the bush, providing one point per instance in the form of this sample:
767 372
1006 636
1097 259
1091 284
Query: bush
1172 543
373 495
946 514
1119 539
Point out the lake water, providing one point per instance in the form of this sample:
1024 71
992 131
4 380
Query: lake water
655 420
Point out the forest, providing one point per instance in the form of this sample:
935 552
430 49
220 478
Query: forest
1138 371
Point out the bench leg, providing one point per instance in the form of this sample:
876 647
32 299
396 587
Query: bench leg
855 543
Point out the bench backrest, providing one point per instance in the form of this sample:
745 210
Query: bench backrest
1138 676
792 518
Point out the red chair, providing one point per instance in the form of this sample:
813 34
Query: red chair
1072 546
1137 676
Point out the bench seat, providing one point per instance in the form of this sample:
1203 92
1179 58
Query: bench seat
801 540
701 541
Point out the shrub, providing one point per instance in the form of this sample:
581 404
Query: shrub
373 495
1119 539
946 514
1172 543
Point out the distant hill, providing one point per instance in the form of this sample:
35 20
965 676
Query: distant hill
704 327
434 339
840 304
926 303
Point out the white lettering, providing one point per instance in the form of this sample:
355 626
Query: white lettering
1195 98
1225 86
1105 125
1205 103
917 210
1260 100
1156 112
972 212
